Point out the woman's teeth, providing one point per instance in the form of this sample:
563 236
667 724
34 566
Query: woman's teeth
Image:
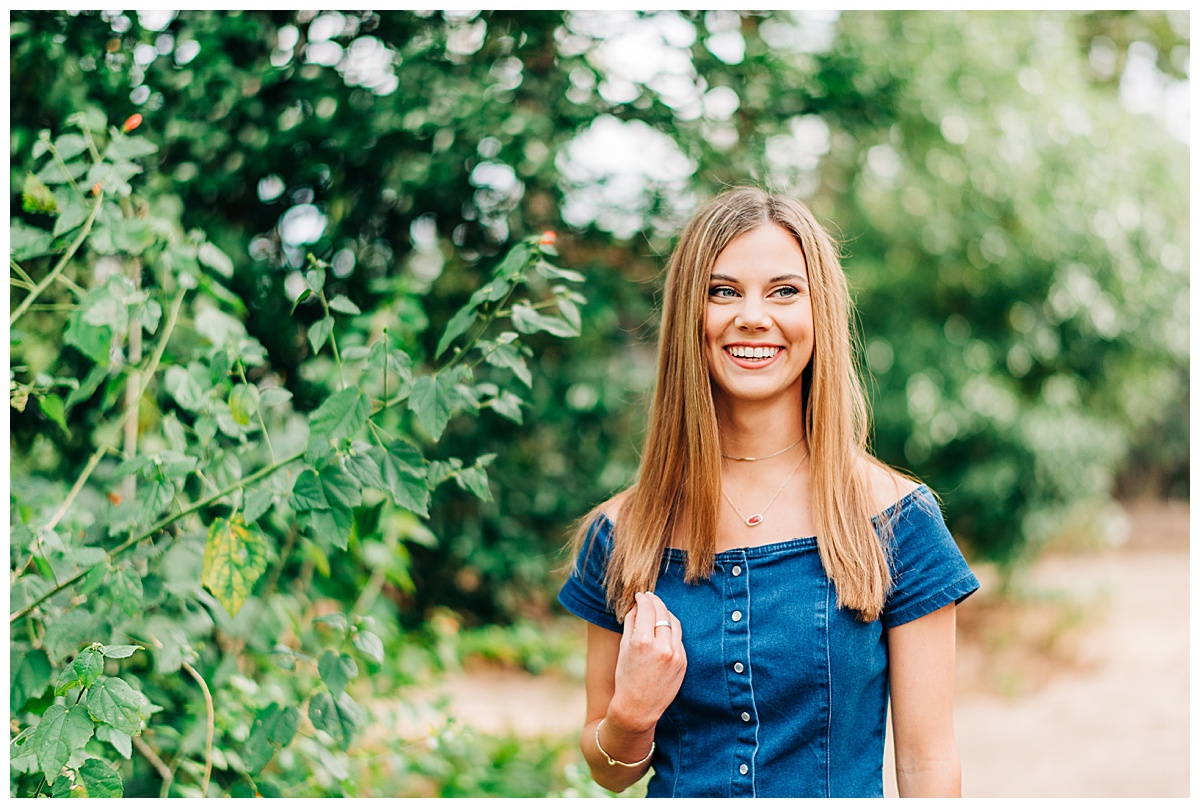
746 352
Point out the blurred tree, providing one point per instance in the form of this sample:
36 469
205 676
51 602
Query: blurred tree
1016 238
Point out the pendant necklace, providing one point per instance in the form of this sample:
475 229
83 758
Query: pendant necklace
755 519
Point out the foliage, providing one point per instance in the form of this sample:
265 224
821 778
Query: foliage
234 231
203 502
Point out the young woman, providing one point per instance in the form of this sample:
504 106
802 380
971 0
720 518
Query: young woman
766 584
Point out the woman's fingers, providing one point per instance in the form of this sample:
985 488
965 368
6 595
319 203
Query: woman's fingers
663 613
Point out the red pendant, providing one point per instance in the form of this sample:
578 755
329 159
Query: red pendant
751 521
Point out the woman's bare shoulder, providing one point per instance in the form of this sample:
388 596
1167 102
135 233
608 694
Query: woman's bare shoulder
612 507
887 485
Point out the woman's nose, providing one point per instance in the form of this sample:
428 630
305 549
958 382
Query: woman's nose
753 316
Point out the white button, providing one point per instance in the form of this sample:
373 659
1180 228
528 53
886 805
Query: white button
737 571
743 768
745 716
738 667
736 616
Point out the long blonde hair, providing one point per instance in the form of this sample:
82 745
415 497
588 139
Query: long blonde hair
680 470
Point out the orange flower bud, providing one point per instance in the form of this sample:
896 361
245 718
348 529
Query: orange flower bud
548 238
96 188
132 122
115 497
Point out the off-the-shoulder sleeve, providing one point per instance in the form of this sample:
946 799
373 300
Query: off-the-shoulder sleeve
928 569
583 594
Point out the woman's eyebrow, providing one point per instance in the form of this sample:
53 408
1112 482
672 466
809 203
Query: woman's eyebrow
776 279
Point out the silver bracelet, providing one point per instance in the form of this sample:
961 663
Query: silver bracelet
613 761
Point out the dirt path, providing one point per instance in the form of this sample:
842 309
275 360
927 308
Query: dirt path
1082 692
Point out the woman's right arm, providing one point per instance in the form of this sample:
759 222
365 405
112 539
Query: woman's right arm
631 679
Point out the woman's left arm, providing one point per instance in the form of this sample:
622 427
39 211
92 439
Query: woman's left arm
921 664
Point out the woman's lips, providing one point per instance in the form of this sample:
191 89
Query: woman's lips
752 364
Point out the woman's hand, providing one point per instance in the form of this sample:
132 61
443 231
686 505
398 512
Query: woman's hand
650 666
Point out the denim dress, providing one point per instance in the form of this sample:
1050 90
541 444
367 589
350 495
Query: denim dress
785 693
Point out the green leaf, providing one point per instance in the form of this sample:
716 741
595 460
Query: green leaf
433 399
86 387
337 670
99 780
528 320
93 341
364 468
60 734
318 333
29 676
234 559
458 325
36 196
121 741
507 356
212 257
369 645
308 494
514 263
74 213
508 405
129 147
125 589
90 119
120 651
315 278
258 500
54 173
243 403
153 498
340 717
548 270
69 146
404 476
52 408
341 416
570 313
114 702
26 241
184 387
343 304
273 728
273 396
475 480
88 666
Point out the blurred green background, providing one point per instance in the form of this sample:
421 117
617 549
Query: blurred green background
1010 191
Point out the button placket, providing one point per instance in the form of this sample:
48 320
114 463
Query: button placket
739 670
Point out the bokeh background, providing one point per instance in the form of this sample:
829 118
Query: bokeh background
1010 190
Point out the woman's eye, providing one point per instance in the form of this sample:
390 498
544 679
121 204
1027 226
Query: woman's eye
787 291
721 291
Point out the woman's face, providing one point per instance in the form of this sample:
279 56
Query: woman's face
759 324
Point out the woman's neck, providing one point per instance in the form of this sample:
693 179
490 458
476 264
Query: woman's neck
758 429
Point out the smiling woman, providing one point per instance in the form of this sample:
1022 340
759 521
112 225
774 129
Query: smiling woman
750 650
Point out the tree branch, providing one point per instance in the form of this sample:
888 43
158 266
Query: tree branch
208 744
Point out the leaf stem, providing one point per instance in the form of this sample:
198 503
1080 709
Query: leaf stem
163 770
62 262
130 411
258 412
208 743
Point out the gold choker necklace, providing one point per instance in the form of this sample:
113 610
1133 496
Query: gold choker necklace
765 457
